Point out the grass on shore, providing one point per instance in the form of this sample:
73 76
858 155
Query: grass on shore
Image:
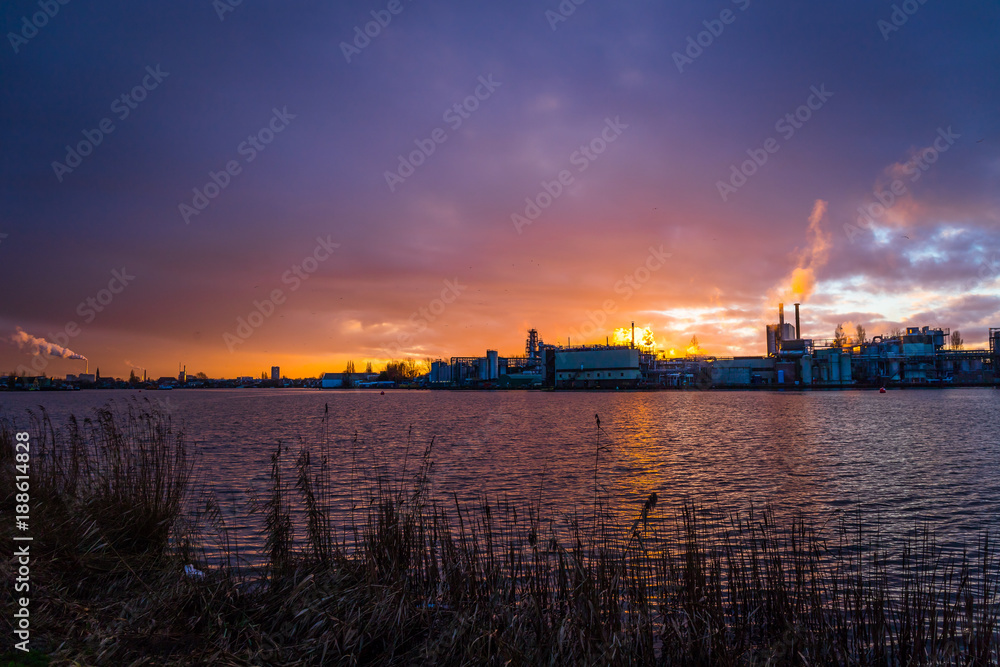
416 579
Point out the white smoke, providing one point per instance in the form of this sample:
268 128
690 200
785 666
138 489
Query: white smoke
42 346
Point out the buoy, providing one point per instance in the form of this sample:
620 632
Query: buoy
882 390
381 393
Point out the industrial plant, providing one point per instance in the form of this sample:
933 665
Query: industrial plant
918 357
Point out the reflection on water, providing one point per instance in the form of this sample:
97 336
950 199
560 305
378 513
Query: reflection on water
906 457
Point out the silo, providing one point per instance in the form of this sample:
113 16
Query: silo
845 369
834 362
493 360
807 372
772 340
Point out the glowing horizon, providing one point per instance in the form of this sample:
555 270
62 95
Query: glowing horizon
476 171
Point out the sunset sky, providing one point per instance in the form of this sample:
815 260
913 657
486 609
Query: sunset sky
692 163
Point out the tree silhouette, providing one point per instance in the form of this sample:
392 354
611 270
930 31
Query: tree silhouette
862 335
956 340
839 337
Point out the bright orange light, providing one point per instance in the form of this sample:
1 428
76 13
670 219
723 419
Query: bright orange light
803 282
643 336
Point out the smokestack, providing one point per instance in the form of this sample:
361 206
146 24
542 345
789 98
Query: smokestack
798 331
633 335
781 324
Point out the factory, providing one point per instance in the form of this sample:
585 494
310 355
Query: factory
918 357
536 368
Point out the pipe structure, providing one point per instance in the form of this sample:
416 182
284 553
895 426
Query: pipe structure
798 331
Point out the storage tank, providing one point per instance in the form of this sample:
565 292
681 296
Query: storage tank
772 340
845 369
807 372
493 361
834 360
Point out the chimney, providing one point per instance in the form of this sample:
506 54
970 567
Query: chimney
781 323
633 334
798 331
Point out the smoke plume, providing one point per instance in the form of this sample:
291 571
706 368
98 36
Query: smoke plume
800 284
42 346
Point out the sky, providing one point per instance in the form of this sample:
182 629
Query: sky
234 186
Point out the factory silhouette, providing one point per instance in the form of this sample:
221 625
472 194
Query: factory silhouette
918 357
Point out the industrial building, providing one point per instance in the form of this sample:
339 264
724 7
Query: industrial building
918 357
535 369
608 367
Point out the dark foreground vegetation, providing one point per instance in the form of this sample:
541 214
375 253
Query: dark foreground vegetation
411 579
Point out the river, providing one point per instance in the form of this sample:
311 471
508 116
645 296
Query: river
905 458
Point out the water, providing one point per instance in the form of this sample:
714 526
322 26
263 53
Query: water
906 457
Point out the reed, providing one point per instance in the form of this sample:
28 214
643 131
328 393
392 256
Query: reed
419 577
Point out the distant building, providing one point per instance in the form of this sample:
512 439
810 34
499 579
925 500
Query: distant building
333 380
606 368
337 380
440 371
275 373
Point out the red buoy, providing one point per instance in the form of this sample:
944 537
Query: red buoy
882 390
